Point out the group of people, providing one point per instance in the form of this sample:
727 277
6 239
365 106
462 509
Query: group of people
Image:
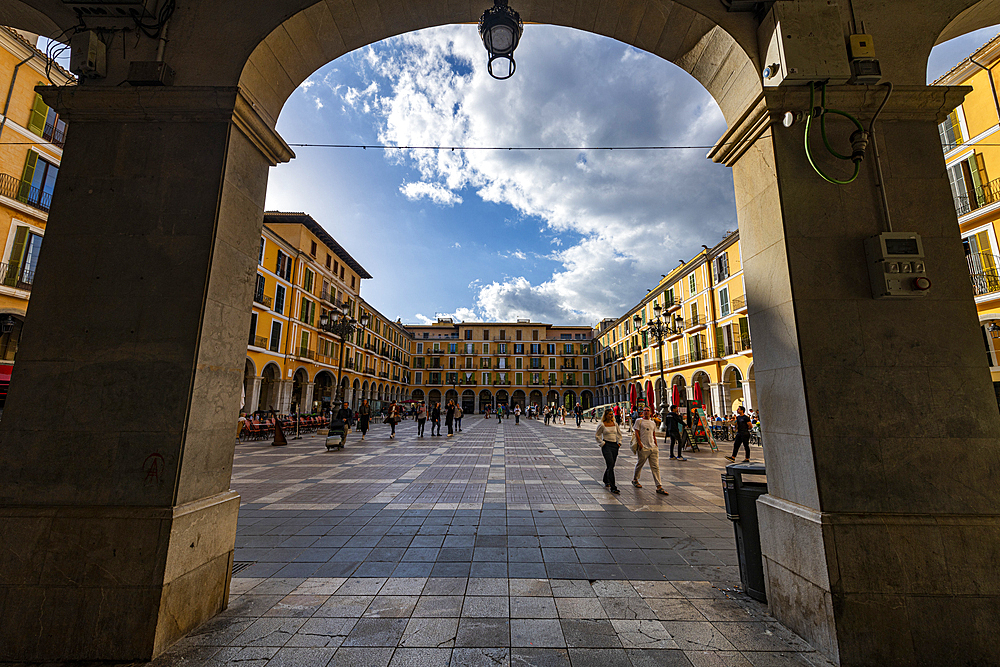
609 437
452 418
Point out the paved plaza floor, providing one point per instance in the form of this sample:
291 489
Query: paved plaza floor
499 546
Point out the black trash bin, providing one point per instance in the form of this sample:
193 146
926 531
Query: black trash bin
741 508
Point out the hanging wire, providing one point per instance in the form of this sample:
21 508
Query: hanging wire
821 112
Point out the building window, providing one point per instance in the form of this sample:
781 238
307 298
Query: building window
536 348
419 377
518 348
279 299
486 335
329 258
253 329
517 335
503 335
724 301
275 337
518 378
501 347
951 132
307 282
721 267
260 254
336 268
534 334
586 379
468 334
258 290
307 311
692 284
353 282
420 348
586 363
552 363
312 248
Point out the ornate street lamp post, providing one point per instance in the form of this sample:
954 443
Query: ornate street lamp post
500 28
661 330
335 323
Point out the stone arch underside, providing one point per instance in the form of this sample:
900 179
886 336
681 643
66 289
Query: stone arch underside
716 56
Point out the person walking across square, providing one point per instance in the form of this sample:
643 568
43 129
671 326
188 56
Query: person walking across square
645 436
609 436
674 422
421 419
458 418
436 419
742 435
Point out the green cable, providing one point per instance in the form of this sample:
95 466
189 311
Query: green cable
809 116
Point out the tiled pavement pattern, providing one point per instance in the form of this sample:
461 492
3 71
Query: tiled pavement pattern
497 547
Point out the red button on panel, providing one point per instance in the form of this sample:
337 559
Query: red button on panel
921 283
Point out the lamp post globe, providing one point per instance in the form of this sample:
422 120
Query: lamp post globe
500 28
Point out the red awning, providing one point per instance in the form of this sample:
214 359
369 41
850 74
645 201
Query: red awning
631 395
5 371
697 391
676 395
649 393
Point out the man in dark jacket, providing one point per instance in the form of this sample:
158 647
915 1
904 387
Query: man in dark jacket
673 427
344 416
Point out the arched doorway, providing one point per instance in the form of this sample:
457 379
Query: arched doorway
468 401
323 389
586 399
732 389
237 160
678 391
704 384
569 400
552 398
299 381
417 395
356 393
517 398
434 396
535 398
485 400
451 395
503 398
269 388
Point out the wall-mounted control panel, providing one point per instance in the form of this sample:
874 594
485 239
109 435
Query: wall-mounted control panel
805 42
896 265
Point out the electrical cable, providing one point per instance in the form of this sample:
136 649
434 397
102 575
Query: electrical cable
821 112
880 180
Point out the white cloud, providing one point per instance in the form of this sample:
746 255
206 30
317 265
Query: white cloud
436 192
618 218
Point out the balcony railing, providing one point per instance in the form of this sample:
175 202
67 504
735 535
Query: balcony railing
260 298
739 303
734 347
305 352
15 188
985 274
55 133
259 341
696 321
12 276
981 196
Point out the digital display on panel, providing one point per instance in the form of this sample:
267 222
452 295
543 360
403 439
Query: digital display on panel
901 247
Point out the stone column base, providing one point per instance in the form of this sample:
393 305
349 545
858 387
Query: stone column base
79 583
884 589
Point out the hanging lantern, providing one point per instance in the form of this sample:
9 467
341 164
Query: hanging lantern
501 28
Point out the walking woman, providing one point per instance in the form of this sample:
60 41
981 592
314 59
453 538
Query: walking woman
421 419
449 418
364 417
609 436
393 419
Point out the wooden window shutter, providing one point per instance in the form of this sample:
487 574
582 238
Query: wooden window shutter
16 254
30 162
744 332
720 344
39 111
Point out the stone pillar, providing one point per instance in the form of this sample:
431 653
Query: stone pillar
117 519
720 396
882 525
254 398
284 396
307 400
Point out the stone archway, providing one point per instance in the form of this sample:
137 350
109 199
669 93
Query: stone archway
270 387
485 400
215 127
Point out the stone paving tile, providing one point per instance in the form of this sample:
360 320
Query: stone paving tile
501 543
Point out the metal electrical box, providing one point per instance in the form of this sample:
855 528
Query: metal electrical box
896 265
87 55
805 42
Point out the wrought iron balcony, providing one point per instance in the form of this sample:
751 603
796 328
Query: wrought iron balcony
695 322
259 341
984 270
12 276
265 300
738 304
305 352
15 188
978 198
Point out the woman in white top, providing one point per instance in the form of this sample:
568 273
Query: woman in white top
609 436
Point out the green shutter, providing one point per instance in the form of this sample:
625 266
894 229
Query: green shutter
39 111
720 347
24 192
16 253
744 332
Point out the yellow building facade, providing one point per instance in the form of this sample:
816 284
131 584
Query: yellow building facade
31 141
707 355
481 365
970 139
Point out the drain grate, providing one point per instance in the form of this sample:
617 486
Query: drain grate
240 565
